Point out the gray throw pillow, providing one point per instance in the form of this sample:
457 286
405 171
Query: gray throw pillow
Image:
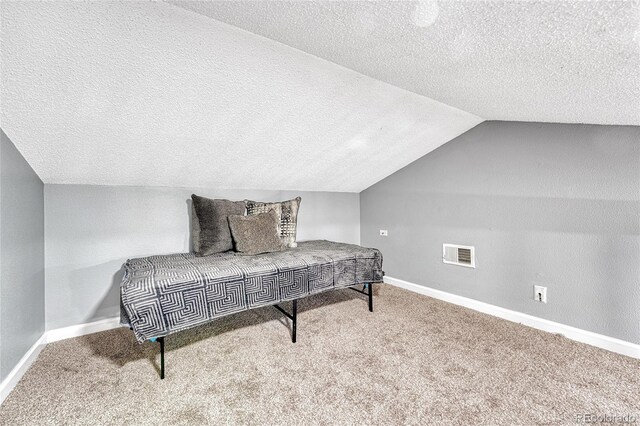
195 230
256 234
214 235
287 212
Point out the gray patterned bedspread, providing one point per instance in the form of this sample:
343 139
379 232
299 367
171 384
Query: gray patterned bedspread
161 295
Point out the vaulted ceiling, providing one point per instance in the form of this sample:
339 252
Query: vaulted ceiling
296 95
549 61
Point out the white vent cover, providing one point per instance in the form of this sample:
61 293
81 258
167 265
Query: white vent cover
456 254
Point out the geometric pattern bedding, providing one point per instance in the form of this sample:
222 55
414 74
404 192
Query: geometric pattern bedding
165 294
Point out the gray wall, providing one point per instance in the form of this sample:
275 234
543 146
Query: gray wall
550 204
21 256
92 230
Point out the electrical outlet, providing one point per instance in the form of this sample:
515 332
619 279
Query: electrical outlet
384 233
540 293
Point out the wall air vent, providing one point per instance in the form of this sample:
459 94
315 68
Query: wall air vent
455 254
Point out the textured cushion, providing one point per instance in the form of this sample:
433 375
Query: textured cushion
256 234
195 230
287 212
214 235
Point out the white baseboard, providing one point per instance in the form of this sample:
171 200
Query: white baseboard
50 336
82 329
23 365
599 340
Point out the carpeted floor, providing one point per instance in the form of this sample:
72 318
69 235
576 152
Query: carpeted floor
415 360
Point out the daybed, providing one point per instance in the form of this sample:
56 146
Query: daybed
162 295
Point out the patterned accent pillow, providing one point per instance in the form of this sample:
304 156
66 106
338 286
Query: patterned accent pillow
256 234
214 235
287 212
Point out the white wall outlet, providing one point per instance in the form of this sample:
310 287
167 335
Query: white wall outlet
384 233
540 293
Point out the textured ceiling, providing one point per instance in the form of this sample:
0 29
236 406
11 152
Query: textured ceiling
552 61
303 95
144 93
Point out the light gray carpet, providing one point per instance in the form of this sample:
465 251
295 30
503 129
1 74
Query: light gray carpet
415 360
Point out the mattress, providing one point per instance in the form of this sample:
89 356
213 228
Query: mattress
161 295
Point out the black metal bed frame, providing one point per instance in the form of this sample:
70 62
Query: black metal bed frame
293 316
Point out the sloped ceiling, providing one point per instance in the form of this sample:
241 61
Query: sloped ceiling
314 95
548 61
143 93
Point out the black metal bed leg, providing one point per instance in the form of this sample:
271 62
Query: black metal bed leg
293 316
294 320
161 340
369 293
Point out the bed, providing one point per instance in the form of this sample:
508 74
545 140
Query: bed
162 295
